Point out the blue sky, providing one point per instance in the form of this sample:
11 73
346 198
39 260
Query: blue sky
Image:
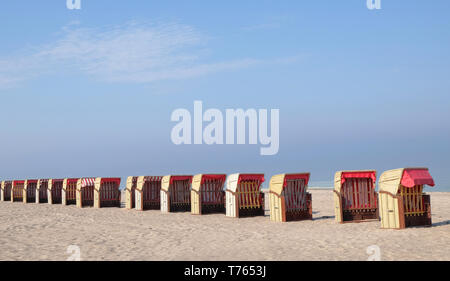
90 92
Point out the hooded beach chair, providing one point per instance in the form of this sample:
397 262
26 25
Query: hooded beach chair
17 191
107 192
289 199
42 191
402 200
6 188
355 198
54 193
85 192
208 194
69 192
175 194
29 191
243 195
148 193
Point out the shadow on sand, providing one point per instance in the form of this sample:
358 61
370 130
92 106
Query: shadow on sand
442 223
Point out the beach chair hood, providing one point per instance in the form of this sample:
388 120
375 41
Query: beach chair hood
279 182
390 181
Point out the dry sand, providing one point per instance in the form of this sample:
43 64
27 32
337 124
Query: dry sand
43 232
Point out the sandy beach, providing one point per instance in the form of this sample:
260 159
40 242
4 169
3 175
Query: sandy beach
44 232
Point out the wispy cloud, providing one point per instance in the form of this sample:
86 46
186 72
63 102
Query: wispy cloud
261 26
134 53
267 23
6 82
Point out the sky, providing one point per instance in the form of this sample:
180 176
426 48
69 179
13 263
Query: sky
90 92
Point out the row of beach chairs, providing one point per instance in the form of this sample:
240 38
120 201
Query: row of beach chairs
94 192
400 202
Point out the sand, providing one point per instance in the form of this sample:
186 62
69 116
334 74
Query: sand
44 232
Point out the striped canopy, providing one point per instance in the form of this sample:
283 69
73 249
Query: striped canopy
153 178
87 182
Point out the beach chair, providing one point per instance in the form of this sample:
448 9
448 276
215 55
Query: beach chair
6 188
207 194
355 198
85 192
106 192
148 193
42 191
69 192
130 195
402 200
289 199
243 195
17 191
29 191
54 193
175 194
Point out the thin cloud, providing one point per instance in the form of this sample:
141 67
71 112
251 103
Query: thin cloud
131 53
262 26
